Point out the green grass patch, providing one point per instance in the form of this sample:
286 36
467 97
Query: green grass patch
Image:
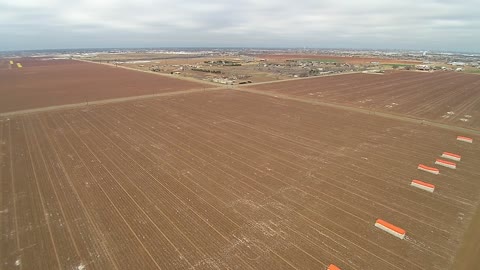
475 70
396 66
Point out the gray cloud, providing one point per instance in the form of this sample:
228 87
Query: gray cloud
427 24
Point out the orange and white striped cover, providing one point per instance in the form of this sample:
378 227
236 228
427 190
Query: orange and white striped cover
422 185
428 169
451 156
444 163
390 228
464 139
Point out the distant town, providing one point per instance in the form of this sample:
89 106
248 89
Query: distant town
242 66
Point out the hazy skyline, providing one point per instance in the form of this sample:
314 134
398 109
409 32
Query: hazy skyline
379 24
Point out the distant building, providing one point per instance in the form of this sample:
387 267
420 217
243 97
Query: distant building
223 81
422 67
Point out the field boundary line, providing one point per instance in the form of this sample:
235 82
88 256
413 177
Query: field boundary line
105 101
408 119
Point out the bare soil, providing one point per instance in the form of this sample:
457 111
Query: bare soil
445 97
227 179
44 82
467 257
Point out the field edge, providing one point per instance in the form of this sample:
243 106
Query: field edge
467 255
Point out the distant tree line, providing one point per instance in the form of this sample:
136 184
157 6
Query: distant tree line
207 70
223 63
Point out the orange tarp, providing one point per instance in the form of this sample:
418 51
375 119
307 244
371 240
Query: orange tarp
391 226
333 267
452 154
446 162
427 168
423 183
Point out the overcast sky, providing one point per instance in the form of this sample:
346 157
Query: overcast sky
377 24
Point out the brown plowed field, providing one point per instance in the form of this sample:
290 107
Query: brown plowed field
42 83
340 59
446 97
227 180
